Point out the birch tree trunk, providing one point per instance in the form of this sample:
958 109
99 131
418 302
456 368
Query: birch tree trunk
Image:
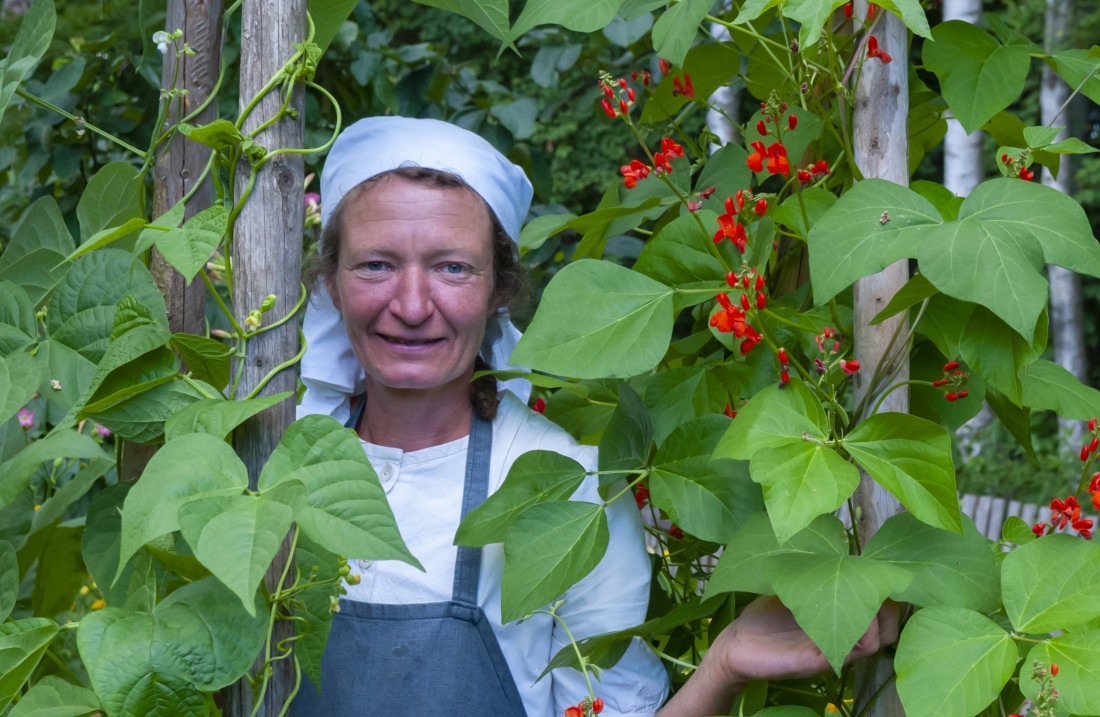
266 259
1065 285
881 149
722 103
180 164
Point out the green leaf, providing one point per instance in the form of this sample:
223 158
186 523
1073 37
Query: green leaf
328 16
801 480
72 491
72 372
1039 137
101 542
198 638
345 510
16 472
678 255
628 438
1051 584
219 135
1077 67
817 201
578 15
54 697
164 223
187 249
1049 387
753 9
236 538
979 76
1015 419
107 236
518 116
675 30
216 416
207 359
31 42
949 570
140 418
774 417
139 375
996 353
316 604
916 290
677 396
60 572
727 172
811 15
911 13
548 548
489 15
535 477
538 230
952 662
834 598
17 323
9 579
623 330
35 258
22 644
708 498
1078 658
18 383
112 197
193 466
851 241
1072 145
910 457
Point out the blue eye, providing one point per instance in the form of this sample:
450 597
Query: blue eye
454 268
375 266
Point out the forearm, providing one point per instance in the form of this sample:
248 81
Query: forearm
705 693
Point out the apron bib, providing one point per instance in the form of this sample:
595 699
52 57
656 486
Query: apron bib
424 660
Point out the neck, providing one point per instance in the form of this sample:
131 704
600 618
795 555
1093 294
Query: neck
413 419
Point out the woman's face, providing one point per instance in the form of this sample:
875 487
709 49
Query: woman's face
414 283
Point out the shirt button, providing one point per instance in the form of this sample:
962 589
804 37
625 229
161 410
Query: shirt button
387 471
364 564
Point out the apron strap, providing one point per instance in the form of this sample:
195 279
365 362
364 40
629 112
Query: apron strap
478 451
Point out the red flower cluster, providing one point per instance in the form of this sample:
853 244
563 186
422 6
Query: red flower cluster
874 51
953 380
1065 513
813 171
734 320
1017 166
638 170
775 154
641 495
618 95
1092 446
684 88
585 708
871 10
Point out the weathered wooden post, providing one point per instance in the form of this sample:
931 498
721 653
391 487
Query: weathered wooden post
881 142
266 259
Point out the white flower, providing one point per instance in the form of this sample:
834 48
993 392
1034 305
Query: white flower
162 38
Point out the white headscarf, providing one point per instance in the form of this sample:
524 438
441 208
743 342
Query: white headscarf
330 370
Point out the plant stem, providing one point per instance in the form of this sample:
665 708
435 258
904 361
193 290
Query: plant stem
79 120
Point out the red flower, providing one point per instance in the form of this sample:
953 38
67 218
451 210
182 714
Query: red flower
848 9
634 172
778 163
733 230
756 159
1064 512
671 149
792 121
762 128
663 64
730 412
707 192
575 711
684 88
751 340
1092 424
874 51
641 495
730 319
1054 669
950 366
597 705
761 301
761 207
675 532
1039 529
540 406
849 367
607 108
661 163
821 167
803 176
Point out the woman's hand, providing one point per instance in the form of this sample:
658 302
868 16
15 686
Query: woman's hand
765 643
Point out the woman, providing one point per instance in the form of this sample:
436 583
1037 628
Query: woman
418 257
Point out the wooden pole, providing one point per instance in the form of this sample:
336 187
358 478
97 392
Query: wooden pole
266 259
179 165
881 132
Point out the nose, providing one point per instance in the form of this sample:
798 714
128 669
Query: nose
412 298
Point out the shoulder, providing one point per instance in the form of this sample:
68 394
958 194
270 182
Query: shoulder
517 430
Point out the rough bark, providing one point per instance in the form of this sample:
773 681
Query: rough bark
1065 285
179 165
881 150
266 259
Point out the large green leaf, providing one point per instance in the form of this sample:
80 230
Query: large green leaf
548 548
578 15
102 539
313 560
680 255
1078 68
997 354
978 75
17 323
949 570
328 16
72 491
188 248
198 638
851 240
1048 386
623 329
910 457
60 572
535 477
112 197
345 509
774 417
19 375
30 44
834 598
236 537
1052 584
674 32
16 472
35 258
677 396
22 644
141 418
709 498
801 480
216 416
193 466
52 696
490 15
1077 655
9 579
72 372
628 438
952 662
911 13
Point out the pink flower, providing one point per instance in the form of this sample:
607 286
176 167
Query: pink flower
26 419
102 431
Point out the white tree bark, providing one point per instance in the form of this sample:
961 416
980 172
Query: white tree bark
722 103
1065 285
962 153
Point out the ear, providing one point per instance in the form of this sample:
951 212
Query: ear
333 292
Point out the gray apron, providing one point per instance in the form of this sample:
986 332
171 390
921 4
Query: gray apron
425 660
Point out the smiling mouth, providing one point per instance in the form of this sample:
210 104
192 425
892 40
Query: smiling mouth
409 342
